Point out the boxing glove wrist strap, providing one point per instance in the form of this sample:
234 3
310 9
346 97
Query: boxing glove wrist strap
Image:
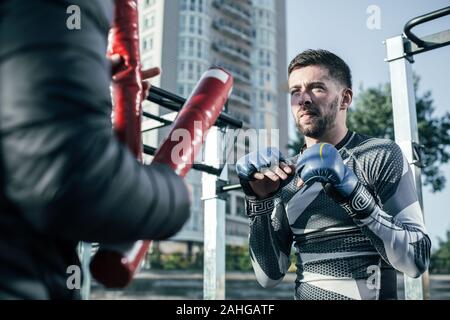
359 205
259 207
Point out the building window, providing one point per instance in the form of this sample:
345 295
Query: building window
182 46
182 23
200 24
183 5
149 21
191 24
240 207
199 71
150 44
147 44
191 48
199 49
181 70
152 21
190 74
180 90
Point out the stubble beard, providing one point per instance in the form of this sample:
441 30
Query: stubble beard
319 124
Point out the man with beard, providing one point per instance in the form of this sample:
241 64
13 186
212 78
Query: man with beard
347 202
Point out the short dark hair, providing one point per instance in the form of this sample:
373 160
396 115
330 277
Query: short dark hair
337 67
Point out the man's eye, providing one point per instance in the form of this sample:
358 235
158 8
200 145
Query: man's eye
319 88
294 93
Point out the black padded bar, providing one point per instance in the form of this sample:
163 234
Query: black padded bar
199 167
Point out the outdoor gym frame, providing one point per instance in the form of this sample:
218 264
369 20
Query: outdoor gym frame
400 56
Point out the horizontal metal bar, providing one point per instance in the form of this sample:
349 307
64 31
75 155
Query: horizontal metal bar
229 187
154 128
152 116
148 150
207 169
164 102
168 95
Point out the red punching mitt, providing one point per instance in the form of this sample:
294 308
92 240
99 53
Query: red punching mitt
127 85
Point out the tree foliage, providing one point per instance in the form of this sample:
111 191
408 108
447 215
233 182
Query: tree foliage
440 259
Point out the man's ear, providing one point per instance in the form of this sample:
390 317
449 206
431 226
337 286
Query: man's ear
347 98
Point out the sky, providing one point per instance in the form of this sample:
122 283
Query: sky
341 27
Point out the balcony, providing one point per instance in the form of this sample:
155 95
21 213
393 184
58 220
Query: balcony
241 101
234 10
242 98
232 52
240 116
239 74
233 31
241 78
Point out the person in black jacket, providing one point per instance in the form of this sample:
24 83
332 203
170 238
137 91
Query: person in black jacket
64 177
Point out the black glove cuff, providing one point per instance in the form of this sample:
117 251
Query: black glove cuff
259 207
360 204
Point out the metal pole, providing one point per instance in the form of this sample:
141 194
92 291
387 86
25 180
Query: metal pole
214 221
406 133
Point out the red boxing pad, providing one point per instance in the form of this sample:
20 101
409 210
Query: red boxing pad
127 85
114 266
198 115
127 97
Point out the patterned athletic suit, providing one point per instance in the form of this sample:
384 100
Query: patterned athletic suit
339 257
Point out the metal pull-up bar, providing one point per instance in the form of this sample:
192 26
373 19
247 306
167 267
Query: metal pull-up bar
434 41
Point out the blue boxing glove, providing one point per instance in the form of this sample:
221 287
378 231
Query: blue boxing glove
258 162
323 163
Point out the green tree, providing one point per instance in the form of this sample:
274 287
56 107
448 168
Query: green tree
440 259
296 145
238 259
371 114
